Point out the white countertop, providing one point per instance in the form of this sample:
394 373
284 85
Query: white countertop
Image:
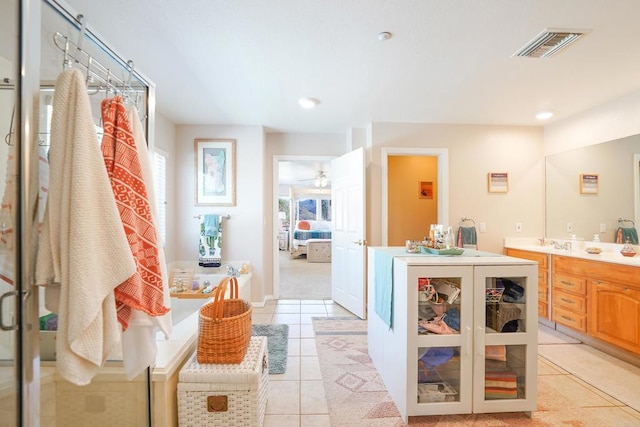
610 251
468 257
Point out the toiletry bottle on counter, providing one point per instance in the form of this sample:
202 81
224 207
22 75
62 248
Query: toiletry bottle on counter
574 242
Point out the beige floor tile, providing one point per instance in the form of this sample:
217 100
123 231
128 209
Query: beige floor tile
633 412
284 398
281 421
315 420
293 348
312 301
268 309
288 308
292 373
306 331
312 398
310 368
307 319
597 391
308 347
294 331
335 310
261 318
288 301
574 391
313 309
615 416
546 368
289 319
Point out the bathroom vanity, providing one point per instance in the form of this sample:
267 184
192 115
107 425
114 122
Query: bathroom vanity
482 359
592 297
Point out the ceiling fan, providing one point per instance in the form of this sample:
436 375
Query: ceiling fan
320 180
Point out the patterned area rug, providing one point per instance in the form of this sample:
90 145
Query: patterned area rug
356 394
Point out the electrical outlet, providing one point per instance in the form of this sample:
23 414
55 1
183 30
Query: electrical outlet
518 227
603 228
483 227
569 227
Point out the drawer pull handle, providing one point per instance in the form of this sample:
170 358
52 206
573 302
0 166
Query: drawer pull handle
566 300
567 283
567 318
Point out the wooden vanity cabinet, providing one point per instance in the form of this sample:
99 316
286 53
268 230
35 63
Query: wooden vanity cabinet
599 298
543 275
615 314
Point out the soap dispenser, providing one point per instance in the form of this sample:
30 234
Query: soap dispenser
627 249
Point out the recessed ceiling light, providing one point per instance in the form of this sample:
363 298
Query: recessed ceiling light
308 102
544 115
385 35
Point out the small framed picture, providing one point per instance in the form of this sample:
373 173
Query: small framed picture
498 182
588 183
425 190
215 172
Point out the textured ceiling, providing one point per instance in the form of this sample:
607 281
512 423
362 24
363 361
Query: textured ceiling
248 62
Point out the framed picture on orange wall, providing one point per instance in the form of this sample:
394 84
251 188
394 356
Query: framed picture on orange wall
425 190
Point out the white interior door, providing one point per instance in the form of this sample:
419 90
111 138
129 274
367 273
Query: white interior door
348 244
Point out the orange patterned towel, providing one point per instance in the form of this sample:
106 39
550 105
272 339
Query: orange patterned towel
142 291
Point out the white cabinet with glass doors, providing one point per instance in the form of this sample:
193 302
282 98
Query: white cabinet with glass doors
463 337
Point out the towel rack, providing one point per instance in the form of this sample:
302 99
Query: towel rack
199 216
465 219
622 220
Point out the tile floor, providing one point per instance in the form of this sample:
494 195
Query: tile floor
297 399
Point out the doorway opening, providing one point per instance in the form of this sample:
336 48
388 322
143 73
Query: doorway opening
302 192
440 182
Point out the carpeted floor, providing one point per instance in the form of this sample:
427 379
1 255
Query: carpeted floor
356 395
300 279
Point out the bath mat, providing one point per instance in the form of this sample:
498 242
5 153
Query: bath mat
277 344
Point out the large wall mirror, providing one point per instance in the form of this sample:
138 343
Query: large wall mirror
615 195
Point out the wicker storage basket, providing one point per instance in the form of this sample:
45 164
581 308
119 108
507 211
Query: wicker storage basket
224 326
225 395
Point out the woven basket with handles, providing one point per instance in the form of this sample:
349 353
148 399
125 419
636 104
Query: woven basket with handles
224 326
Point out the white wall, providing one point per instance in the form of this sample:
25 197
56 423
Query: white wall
474 151
244 233
616 119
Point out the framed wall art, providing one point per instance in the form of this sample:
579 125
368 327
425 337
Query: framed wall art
425 191
588 183
215 172
498 182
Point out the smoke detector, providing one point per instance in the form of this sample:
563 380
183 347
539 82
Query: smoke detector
549 42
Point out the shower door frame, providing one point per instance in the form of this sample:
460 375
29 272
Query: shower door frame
27 65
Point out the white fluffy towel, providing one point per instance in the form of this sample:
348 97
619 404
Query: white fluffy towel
139 347
83 252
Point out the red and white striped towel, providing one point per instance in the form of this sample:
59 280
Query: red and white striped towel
144 290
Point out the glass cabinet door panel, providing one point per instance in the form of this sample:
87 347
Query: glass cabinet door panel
505 303
439 305
505 370
438 374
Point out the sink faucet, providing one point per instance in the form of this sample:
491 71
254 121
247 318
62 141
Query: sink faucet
231 270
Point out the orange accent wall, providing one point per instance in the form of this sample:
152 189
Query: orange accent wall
410 215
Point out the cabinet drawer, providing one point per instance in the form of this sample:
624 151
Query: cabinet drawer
570 301
540 258
570 283
570 319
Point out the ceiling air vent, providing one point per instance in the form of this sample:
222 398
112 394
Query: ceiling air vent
549 42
